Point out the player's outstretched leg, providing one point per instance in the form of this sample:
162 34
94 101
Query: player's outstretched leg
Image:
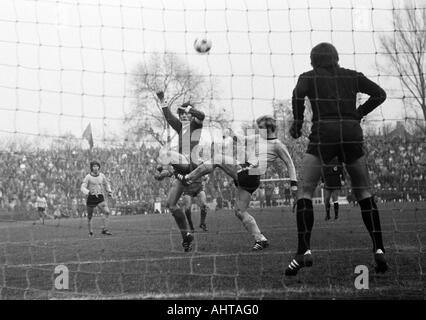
369 211
248 221
201 170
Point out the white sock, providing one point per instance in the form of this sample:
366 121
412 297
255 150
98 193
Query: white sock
251 226
379 251
308 252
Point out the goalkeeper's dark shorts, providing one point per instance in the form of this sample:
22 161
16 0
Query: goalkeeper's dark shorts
247 182
183 168
332 182
193 189
341 139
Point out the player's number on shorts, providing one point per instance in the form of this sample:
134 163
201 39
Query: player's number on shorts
62 278
362 280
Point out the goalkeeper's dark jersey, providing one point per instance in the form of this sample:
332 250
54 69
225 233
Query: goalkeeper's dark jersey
332 93
189 133
332 175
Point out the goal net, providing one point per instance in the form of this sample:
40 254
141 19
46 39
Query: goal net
78 82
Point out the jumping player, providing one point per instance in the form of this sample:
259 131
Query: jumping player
332 177
188 127
194 190
93 186
247 175
335 131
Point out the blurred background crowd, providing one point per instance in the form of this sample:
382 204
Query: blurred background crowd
396 163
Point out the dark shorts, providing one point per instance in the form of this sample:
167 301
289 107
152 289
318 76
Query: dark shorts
342 139
183 168
332 183
346 152
193 189
41 210
93 201
247 182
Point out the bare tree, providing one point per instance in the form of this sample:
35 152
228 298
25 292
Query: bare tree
406 48
168 73
283 112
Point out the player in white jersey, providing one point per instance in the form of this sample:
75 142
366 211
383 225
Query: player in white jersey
247 175
94 185
41 204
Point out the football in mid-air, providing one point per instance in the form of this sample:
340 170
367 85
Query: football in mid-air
202 45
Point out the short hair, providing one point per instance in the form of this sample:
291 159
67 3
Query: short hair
94 163
324 55
270 122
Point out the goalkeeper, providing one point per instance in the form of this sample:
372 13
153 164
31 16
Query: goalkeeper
336 131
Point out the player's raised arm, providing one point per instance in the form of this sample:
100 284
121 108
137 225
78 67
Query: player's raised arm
171 119
197 114
84 186
376 93
298 105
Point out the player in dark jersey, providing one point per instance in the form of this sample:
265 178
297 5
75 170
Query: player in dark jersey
335 131
188 126
332 177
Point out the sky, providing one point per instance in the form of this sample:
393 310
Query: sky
66 63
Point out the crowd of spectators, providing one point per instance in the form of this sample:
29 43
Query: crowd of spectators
397 168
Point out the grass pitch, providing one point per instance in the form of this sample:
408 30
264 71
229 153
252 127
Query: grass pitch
144 258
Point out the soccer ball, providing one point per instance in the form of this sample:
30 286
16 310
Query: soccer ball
202 45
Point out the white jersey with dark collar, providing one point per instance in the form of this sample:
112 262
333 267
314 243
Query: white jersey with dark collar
95 185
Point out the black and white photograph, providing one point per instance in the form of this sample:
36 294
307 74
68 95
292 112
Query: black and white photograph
212 155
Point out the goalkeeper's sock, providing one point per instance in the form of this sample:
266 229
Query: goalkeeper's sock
305 222
327 210
203 214
188 215
370 216
180 219
336 210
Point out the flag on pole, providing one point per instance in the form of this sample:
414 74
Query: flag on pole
87 134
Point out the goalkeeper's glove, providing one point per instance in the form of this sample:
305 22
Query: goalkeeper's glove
160 96
296 129
186 107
